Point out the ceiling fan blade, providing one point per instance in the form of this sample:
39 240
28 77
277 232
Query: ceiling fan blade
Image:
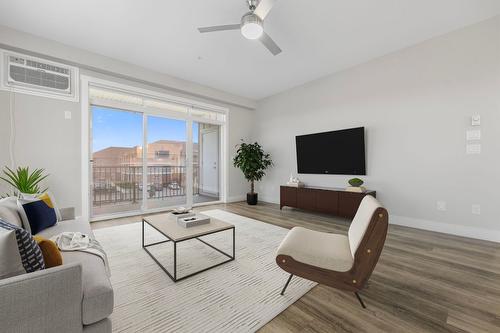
220 28
264 7
270 44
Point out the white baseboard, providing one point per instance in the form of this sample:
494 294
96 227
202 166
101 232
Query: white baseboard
268 199
243 197
236 198
446 228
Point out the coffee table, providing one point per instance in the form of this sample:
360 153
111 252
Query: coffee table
166 224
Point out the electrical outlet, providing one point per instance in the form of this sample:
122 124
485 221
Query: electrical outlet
476 209
67 114
441 206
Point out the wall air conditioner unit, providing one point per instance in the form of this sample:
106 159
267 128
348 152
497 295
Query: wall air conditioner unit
30 75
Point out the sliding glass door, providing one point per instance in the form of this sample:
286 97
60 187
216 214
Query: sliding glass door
166 162
145 161
116 161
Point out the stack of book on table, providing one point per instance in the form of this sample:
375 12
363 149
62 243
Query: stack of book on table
187 218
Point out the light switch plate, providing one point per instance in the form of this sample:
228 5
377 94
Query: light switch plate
473 135
476 120
67 114
476 209
473 148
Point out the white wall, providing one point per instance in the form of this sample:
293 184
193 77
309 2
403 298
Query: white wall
13 39
44 139
416 105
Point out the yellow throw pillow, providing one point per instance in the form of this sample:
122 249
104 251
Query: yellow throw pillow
46 198
51 254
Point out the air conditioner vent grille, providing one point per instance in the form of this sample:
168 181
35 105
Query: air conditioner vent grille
39 78
39 65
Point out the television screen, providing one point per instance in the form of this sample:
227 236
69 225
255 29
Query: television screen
337 152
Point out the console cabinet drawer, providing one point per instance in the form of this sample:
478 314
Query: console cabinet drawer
288 196
306 199
329 201
349 203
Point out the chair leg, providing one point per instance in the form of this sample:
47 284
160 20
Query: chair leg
286 284
360 300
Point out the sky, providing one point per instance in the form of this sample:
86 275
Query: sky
118 128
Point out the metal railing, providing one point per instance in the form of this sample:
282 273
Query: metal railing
121 184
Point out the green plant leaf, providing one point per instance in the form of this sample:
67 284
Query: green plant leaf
252 161
24 181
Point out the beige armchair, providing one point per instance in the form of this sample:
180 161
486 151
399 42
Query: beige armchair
342 262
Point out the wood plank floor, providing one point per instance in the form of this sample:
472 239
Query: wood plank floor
424 281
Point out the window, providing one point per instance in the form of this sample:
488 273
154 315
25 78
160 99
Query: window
162 154
170 170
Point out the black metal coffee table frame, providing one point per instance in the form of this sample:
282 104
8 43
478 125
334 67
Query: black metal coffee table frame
174 276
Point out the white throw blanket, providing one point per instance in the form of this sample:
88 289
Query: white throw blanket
76 241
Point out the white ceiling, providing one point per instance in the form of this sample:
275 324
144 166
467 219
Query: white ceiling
318 37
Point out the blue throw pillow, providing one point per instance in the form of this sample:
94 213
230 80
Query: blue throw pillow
31 255
39 213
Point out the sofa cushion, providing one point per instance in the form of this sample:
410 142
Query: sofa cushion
103 326
39 213
98 300
320 249
9 211
10 259
65 226
28 249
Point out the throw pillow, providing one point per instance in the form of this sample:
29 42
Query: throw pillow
9 211
10 260
37 213
27 249
47 197
51 255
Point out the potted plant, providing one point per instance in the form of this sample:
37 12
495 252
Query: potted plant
24 181
252 161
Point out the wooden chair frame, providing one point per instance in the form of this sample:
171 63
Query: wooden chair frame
365 260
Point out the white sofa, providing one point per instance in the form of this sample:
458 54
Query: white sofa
74 297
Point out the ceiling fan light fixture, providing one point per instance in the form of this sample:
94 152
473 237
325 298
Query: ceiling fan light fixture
251 26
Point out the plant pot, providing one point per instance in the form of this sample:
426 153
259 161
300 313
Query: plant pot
252 199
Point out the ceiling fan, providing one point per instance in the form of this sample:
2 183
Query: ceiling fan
252 24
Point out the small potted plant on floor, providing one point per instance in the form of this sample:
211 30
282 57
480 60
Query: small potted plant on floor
252 161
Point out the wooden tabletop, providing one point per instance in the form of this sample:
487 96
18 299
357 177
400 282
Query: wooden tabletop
167 225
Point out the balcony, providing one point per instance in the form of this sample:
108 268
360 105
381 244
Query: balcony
117 189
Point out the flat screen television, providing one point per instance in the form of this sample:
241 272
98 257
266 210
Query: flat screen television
337 152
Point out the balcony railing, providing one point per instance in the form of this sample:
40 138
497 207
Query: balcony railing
120 184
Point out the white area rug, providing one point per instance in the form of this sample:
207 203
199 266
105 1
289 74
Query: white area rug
239 296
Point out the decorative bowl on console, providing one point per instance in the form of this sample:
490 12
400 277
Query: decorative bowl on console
356 182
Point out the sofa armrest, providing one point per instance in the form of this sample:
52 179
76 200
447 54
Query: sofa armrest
67 213
49 300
